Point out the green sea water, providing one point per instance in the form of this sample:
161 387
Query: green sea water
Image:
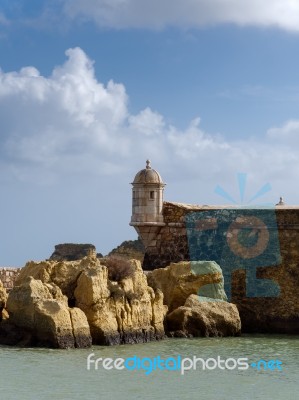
42 374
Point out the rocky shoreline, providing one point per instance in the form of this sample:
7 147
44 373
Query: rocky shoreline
74 304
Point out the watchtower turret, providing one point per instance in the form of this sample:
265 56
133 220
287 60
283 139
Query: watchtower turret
147 196
147 203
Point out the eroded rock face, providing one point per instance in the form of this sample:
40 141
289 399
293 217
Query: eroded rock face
62 273
3 295
65 304
194 293
125 312
128 311
179 280
40 314
202 316
3 298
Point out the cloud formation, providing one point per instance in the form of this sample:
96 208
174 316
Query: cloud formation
288 133
70 123
69 146
158 14
71 120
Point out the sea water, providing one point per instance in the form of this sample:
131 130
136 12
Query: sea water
42 374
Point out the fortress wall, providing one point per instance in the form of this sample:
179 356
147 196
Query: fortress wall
274 314
8 277
279 313
170 243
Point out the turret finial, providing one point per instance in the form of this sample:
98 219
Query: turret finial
148 164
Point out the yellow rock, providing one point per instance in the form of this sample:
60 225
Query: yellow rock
178 281
3 295
201 316
41 310
128 311
3 299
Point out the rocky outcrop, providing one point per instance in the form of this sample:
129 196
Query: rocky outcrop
73 252
194 294
202 316
63 274
3 295
40 313
3 298
120 312
179 280
67 304
127 311
128 250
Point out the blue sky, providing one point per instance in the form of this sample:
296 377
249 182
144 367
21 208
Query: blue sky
90 89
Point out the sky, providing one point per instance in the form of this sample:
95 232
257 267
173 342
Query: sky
89 89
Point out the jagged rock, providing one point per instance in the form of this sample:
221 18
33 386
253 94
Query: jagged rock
194 293
129 250
41 312
4 314
73 251
179 280
81 330
3 295
128 311
63 274
202 316
3 299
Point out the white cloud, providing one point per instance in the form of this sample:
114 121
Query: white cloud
288 133
70 113
69 146
147 122
70 123
186 13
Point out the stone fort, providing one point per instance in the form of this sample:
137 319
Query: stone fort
261 275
